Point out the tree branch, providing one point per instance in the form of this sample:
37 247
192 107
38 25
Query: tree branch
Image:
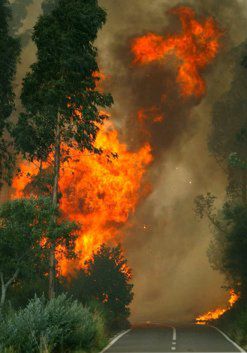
216 224
12 278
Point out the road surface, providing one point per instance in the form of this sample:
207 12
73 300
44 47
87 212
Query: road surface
157 339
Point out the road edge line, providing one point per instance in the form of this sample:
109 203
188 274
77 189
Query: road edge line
228 339
115 340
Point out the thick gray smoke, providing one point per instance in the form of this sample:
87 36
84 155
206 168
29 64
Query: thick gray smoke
168 249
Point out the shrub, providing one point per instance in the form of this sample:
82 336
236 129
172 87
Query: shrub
56 326
234 323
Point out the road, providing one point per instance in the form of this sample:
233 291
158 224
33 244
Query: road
154 339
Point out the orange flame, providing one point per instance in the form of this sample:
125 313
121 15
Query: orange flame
98 191
217 313
195 48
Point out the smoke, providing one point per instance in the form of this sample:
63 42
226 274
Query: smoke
167 246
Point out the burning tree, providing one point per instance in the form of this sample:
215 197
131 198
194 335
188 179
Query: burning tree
9 52
59 94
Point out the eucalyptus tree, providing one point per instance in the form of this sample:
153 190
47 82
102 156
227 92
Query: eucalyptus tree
62 104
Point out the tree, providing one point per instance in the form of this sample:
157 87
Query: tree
228 138
59 93
25 227
105 280
228 143
9 53
227 251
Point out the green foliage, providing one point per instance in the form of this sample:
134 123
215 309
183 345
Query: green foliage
9 53
59 325
105 280
228 137
62 81
234 323
228 143
233 246
204 204
236 162
24 224
21 228
227 251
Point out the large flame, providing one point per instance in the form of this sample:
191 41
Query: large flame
217 313
98 191
195 47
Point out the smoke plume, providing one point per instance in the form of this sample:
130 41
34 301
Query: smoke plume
167 245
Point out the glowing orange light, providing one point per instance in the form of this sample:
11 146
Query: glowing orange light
217 313
195 47
98 191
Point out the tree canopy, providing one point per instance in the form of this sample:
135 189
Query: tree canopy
9 53
26 229
63 81
228 137
106 280
228 143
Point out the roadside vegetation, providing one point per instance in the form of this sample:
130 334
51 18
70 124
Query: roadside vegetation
228 249
40 310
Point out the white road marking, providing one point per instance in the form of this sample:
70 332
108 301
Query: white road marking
115 340
229 339
174 338
174 333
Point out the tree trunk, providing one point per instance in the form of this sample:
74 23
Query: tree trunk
52 262
4 286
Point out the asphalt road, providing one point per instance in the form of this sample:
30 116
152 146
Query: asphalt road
154 339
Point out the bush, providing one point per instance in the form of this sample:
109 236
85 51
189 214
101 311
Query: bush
56 326
106 280
234 323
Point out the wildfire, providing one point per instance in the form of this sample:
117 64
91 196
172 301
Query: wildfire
98 191
102 191
195 47
217 313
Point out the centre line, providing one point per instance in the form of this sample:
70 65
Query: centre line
174 335
174 338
